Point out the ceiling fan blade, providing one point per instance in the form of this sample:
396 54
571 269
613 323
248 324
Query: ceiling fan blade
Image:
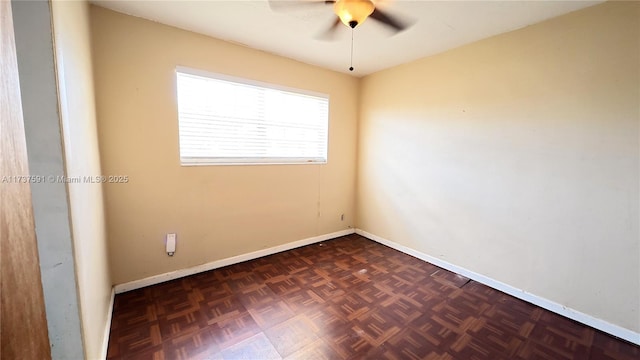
389 20
278 5
330 32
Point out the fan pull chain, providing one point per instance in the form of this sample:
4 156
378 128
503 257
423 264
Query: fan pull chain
351 67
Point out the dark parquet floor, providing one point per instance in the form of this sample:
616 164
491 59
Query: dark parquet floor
347 298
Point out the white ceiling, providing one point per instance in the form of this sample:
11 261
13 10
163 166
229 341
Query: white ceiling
437 26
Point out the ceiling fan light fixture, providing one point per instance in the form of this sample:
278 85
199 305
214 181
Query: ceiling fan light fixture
353 12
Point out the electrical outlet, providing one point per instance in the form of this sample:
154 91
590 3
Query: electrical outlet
171 244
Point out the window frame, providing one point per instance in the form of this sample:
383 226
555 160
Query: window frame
217 161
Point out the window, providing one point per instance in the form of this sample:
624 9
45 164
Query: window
224 120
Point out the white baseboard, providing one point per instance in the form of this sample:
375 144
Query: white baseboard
557 308
152 280
578 316
107 326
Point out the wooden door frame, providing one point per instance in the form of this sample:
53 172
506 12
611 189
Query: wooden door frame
23 323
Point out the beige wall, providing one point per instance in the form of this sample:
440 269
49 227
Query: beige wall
77 112
217 211
517 157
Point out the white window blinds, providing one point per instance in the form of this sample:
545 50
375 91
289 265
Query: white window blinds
230 121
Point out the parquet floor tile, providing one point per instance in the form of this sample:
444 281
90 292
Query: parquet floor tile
318 350
255 347
347 298
293 335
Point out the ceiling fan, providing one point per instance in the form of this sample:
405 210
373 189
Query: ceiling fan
350 12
